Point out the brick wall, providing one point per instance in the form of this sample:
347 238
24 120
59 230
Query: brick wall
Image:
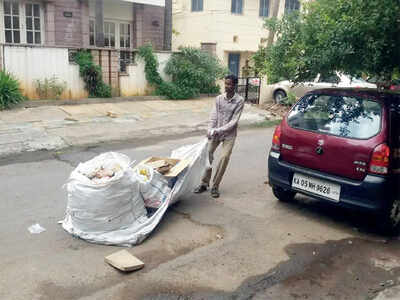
50 24
149 25
68 30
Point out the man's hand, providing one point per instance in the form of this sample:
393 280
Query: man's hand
211 133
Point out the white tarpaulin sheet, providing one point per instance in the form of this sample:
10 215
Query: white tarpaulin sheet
149 2
112 213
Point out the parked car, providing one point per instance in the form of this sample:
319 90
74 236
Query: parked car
341 146
395 85
280 90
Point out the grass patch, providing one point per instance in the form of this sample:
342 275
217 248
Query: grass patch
267 123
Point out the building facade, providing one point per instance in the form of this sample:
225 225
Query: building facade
230 29
38 39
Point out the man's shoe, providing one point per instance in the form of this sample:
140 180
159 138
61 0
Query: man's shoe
214 193
200 189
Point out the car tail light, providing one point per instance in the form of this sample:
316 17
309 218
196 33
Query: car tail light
276 139
379 163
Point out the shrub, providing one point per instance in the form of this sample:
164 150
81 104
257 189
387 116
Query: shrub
50 88
193 71
92 75
10 93
196 69
289 100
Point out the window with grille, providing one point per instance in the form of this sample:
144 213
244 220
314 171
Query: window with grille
291 5
109 34
197 5
264 8
125 59
237 6
125 35
12 22
33 27
92 33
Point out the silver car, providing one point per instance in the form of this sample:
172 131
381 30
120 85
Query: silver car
280 90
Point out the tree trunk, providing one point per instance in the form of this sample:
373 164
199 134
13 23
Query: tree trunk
275 11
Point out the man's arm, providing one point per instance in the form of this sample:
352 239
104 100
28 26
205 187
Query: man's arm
212 124
234 121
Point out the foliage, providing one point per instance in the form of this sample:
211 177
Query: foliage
194 68
192 71
10 93
289 100
92 75
50 88
151 65
355 37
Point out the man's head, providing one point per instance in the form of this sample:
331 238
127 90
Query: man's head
231 82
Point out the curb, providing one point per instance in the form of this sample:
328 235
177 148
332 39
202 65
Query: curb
38 103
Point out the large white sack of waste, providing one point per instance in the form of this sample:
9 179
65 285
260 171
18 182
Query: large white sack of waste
132 226
152 186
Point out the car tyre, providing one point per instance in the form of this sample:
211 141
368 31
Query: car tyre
279 95
282 194
389 219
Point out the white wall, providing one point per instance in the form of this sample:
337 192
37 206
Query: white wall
135 83
30 63
216 24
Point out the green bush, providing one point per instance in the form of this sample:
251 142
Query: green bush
192 71
92 75
151 65
289 100
10 93
196 69
50 88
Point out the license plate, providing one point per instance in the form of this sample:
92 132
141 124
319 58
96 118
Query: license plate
316 186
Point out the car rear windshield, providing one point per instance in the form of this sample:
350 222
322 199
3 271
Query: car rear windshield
345 116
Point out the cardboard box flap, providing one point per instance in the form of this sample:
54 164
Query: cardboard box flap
124 261
178 165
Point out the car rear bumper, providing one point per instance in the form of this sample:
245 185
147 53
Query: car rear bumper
373 193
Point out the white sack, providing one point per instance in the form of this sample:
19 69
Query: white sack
191 177
107 204
139 229
153 188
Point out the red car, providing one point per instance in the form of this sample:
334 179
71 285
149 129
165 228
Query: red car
341 146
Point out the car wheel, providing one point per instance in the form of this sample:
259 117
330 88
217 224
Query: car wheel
390 222
279 95
283 195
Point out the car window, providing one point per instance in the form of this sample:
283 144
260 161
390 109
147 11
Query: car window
350 117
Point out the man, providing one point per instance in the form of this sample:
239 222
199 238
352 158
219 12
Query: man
222 129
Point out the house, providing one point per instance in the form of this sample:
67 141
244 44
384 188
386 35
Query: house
38 39
230 29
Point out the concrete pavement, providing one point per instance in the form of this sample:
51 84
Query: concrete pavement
56 127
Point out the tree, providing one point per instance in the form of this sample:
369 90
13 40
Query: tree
356 37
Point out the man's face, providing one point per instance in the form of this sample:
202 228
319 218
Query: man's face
229 86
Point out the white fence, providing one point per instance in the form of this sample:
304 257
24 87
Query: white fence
29 64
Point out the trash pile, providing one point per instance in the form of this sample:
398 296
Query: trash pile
112 201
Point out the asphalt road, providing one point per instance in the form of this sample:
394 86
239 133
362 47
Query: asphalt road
245 245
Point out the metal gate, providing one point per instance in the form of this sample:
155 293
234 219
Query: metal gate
249 89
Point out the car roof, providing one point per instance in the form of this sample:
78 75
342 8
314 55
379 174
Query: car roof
383 95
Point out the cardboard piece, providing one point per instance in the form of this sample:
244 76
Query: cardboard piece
124 261
178 165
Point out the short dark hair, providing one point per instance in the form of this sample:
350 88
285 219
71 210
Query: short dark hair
233 78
